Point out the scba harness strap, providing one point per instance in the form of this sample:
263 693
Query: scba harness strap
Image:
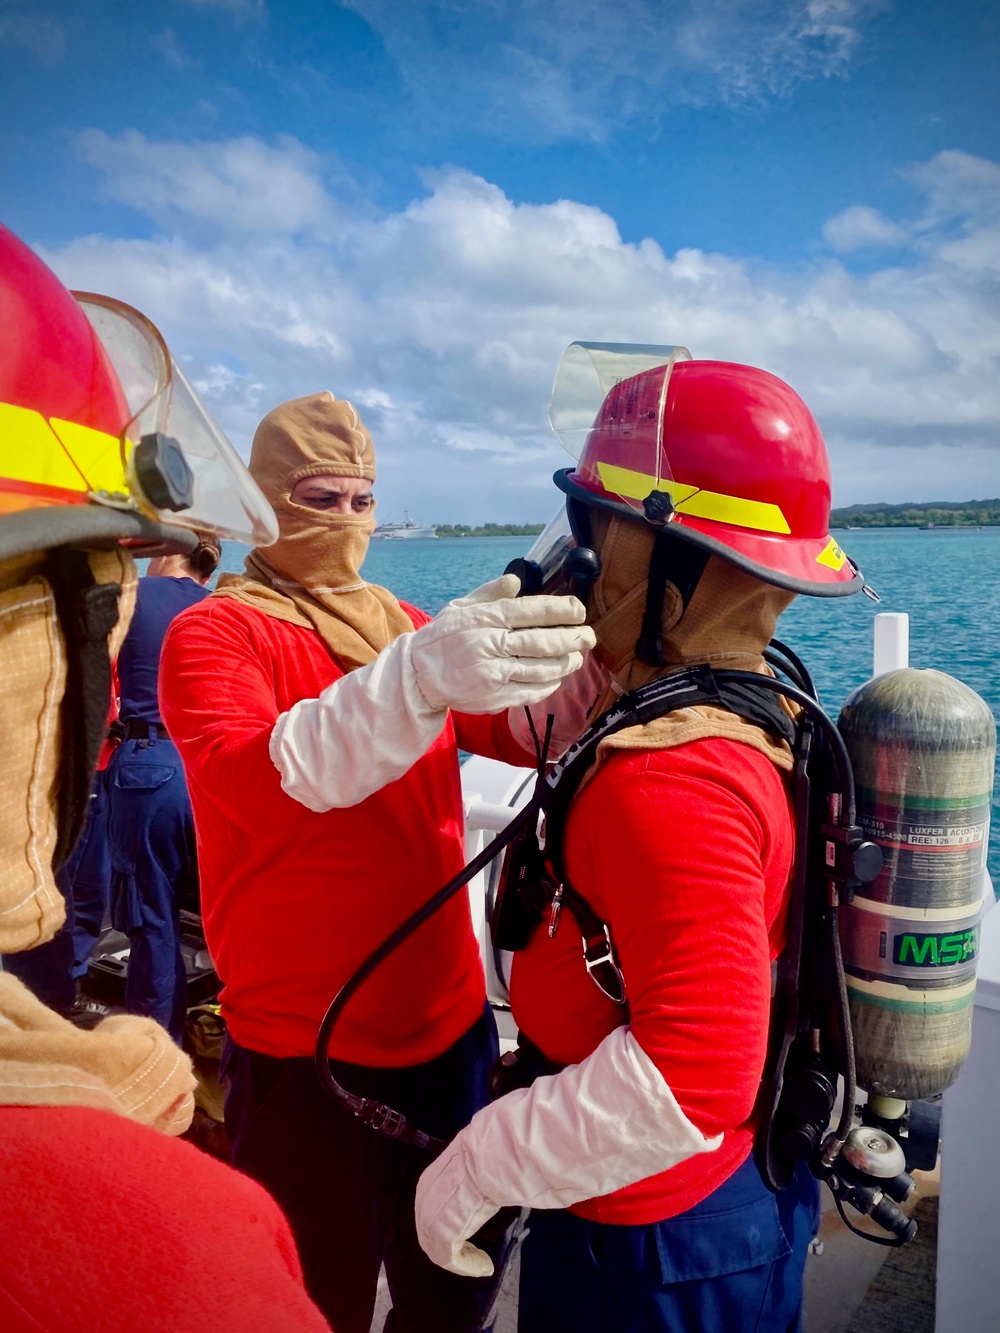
534 879
88 612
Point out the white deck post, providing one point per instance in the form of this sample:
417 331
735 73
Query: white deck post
892 642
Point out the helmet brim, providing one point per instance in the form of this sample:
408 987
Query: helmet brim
49 526
798 564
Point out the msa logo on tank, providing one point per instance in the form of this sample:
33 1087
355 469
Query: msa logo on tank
912 950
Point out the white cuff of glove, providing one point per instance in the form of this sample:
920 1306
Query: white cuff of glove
591 1129
364 731
484 653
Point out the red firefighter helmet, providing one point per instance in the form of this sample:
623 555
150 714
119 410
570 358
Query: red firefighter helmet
101 435
723 455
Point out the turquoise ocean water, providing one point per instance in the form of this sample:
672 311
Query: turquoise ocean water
947 581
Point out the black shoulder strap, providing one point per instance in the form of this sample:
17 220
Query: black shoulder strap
555 790
87 611
681 689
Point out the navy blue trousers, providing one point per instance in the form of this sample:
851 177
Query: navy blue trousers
151 835
347 1191
732 1264
86 877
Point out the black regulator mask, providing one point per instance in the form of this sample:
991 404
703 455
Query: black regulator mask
561 561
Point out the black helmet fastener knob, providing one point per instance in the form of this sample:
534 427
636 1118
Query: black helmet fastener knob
657 507
163 472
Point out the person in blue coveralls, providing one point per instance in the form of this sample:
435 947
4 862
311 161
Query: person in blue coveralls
151 831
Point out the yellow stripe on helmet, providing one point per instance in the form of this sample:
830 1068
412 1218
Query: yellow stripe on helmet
832 556
759 515
58 453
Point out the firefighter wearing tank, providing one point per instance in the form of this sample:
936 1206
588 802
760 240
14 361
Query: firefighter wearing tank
102 1218
311 710
704 488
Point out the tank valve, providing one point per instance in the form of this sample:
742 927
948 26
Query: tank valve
870 1175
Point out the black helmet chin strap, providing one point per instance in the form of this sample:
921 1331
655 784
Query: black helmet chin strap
673 561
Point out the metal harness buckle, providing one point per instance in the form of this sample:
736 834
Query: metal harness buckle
601 964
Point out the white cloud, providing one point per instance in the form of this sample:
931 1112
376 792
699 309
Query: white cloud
238 185
577 70
963 202
167 44
444 322
42 37
860 226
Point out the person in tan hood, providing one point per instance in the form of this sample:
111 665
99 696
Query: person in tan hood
102 1209
318 719
704 489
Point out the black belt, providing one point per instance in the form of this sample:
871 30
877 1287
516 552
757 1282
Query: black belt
137 730
518 1068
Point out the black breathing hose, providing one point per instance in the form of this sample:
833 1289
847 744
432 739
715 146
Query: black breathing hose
380 1117
838 747
778 654
393 1123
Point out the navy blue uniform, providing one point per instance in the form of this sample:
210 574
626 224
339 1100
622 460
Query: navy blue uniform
151 831
731 1264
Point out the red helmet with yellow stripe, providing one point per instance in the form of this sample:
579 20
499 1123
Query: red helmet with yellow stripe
723 455
101 435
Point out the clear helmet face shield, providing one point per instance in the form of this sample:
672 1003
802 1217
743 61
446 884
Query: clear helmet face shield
607 409
172 462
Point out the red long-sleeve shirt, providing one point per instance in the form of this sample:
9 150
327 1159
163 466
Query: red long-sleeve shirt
686 854
292 900
107 1224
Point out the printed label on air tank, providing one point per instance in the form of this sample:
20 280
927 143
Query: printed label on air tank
934 853
925 835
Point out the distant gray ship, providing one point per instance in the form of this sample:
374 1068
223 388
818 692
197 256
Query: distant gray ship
401 531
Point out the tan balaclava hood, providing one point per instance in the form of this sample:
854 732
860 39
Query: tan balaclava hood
728 622
128 1065
311 575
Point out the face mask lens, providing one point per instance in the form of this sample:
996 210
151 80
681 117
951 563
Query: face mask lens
555 564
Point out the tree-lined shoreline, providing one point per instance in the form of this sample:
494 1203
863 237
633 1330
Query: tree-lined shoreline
489 530
933 513
936 513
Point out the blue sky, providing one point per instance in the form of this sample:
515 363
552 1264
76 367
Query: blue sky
418 205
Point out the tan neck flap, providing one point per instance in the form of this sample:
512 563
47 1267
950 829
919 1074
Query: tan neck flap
729 620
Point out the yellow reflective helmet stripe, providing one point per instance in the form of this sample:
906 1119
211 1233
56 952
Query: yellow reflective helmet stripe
759 515
97 454
61 454
832 556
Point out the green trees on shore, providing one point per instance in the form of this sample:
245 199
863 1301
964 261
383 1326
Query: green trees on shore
940 513
489 530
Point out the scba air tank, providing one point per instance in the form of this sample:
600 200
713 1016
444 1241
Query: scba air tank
922 745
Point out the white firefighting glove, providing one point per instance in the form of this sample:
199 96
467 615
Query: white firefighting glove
484 653
593 1128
